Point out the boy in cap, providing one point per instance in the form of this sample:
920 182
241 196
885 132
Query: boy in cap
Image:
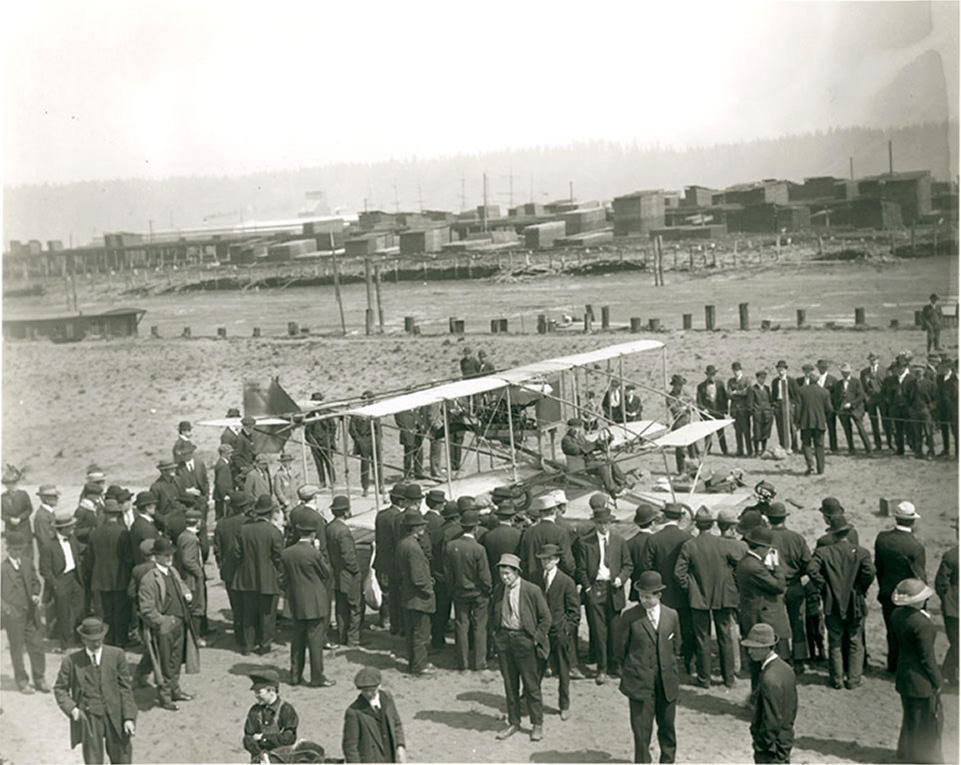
738 387
271 722
564 605
20 601
646 647
59 565
373 731
762 411
712 398
468 581
848 398
109 559
918 678
775 706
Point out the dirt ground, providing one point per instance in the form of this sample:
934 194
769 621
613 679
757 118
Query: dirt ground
117 403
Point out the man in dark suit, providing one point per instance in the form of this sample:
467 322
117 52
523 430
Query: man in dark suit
918 678
784 400
416 593
842 572
165 489
847 399
793 559
947 386
15 504
143 526
594 456
814 410
321 437
827 381
646 646
359 429
60 568
561 595
738 388
373 731
896 401
762 411
946 585
712 398
93 690
20 614
931 319
442 527
242 458
258 566
306 578
705 571
223 481
385 564
872 384
898 555
192 478
505 537
661 556
109 559
188 558
644 517
761 588
346 573
225 537
544 532
775 705
469 583
603 567
411 442
523 621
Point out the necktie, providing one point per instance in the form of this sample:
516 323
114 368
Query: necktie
650 615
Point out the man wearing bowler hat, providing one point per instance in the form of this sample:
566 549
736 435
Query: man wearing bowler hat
345 566
188 558
647 648
712 398
109 559
93 689
257 576
20 604
271 722
242 457
784 399
225 537
603 567
794 558
918 678
59 564
644 517
468 581
523 620
144 526
775 706
223 481
848 399
565 607
373 731
931 319
416 590
898 555
762 411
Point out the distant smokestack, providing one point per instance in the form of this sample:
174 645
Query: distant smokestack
851 165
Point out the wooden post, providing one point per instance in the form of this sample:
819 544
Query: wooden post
542 323
340 300
588 322
635 324
745 318
292 329
734 256
396 276
801 317
858 317
369 285
155 331
380 303
676 248
687 320
186 332
605 317
820 245
894 323
765 323
589 311
690 259
256 332
709 317
912 240
894 249
654 325
409 325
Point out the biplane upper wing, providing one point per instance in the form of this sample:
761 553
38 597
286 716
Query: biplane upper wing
691 433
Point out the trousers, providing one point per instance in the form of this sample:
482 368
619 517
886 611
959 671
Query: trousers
643 714
170 651
600 623
307 634
470 632
23 634
260 619
845 648
102 735
418 637
813 441
723 626
348 607
560 660
517 658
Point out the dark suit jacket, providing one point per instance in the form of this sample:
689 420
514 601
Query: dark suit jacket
223 480
814 407
51 561
759 398
897 555
78 678
306 576
467 572
637 549
17 588
166 492
196 478
844 572
503 538
705 571
538 535
225 538
872 383
792 390
918 673
189 562
535 615
762 597
661 556
948 398
363 740
794 555
775 709
720 400
43 525
109 558
140 530
644 654
853 396
384 563
588 555
342 552
564 606
737 393
417 587
946 583
256 554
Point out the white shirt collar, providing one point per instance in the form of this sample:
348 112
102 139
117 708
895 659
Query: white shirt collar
768 660
899 527
163 569
95 656
15 562
654 614
375 702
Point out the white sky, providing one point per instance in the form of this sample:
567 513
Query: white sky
96 89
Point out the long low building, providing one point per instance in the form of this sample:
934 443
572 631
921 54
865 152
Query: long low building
117 322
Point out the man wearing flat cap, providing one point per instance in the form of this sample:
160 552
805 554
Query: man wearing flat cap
712 398
898 555
918 678
373 731
256 554
545 531
848 399
784 400
872 384
416 592
271 723
468 580
603 568
108 561
593 453
647 648
814 415
59 565
775 705
93 689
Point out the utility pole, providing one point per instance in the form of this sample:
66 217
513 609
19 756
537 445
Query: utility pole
396 200
420 199
463 192
890 158
532 188
484 213
511 187
851 166
570 185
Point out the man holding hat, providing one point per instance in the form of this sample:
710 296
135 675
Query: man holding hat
712 398
109 559
793 558
843 571
373 731
143 526
918 678
784 400
468 579
898 555
872 383
306 577
15 504
257 576
565 607
646 647
603 567
522 620
705 571
225 538
775 705
188 558
385 564
271 722
346 569
814 415
20 603
644 517
93 689
762 411
738 388
59 564
847 398
416 592
545 531
164 608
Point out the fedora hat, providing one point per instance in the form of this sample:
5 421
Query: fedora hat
304 519
509 559
413 491
11 474
781 364
905 511
776 510
340 504
163 546
146 547
451 509
92 628
559 497
48 490
466 503
649 581
598 501
726 517
910 592
505 509
548 551
678 380
435 498
838 523
164 465
748 520
240 501
645 514
264 505
602 515
91 488
711 370
673 510
112 507
831 506
703 517
759 535
469 519
761 635
64 518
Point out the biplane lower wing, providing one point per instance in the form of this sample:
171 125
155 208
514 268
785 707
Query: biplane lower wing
691 433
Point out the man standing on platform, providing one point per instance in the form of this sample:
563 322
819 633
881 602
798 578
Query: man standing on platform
359 429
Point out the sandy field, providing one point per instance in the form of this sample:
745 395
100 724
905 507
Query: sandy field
117 403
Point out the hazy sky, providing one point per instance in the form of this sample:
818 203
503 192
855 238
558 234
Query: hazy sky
96 90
